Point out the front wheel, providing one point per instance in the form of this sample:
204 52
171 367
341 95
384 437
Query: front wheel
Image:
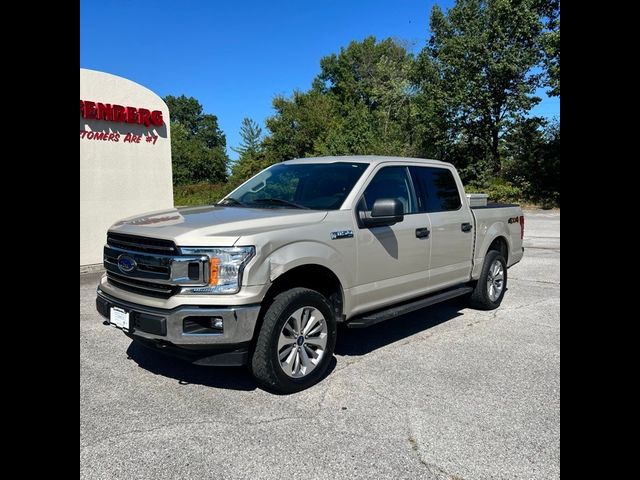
492 284
296 341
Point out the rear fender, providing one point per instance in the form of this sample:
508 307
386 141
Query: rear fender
497 229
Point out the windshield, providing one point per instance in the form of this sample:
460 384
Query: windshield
318 186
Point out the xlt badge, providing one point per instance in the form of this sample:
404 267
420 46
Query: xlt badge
341 234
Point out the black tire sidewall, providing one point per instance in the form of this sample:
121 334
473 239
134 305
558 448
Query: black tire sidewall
481 295
302 298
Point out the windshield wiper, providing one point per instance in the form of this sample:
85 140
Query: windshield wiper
232 201
279 201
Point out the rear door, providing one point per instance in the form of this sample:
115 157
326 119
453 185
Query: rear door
451 225
392 260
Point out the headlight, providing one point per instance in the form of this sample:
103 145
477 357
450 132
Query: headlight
225 269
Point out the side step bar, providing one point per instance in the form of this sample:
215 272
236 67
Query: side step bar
369 319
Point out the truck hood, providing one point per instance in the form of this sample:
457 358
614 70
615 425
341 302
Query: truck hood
214 225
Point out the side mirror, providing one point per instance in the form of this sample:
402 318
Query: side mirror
385 212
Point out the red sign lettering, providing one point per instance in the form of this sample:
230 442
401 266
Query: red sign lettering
132 138
115 137
143 116
89 109
132 115
118 113
156 118
105 112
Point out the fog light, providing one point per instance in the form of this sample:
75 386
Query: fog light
203 325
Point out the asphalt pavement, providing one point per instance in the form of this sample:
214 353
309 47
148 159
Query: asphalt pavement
446 392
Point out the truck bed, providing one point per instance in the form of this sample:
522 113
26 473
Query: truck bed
496 205
497 217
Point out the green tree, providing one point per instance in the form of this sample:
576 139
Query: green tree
252 158
299 122
532 159
198 146
193 161
374 73
550 44
189 112
465 99
360 103
184 110
251 135
371 84
478 71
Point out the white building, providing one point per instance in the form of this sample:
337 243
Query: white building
125 156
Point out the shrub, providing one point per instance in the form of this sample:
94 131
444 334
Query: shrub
199 193
499 191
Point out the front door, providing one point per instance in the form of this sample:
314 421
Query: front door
392 261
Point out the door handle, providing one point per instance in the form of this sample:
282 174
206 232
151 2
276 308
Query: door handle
422 233
466 227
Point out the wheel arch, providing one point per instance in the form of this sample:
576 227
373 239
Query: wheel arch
501 245
313 276
496 238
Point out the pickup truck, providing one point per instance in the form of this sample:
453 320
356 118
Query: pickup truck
264 277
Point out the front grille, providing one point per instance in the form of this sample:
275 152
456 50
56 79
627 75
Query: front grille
134 243
148 266
141 287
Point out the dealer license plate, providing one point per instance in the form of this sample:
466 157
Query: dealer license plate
119 318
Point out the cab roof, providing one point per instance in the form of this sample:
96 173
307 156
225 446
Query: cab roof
369 159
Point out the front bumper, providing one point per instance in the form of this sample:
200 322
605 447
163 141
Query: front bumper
162 326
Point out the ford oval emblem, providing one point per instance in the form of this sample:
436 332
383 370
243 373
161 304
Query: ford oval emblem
126 264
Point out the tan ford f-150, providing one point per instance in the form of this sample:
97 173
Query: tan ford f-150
264 277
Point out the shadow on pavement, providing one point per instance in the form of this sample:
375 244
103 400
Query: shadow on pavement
360 341
350 342
232 378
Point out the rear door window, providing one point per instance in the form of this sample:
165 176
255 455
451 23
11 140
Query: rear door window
437 190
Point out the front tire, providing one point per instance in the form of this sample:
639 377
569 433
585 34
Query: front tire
296 341
492 284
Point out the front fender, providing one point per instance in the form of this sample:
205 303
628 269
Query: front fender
308 253
296 254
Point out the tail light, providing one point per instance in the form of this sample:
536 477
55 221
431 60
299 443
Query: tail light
521 227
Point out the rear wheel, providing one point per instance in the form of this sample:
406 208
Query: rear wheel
296 341
492 284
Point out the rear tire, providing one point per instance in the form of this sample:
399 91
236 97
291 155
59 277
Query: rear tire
492 284
296 341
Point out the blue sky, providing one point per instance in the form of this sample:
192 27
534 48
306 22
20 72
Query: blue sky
235 56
